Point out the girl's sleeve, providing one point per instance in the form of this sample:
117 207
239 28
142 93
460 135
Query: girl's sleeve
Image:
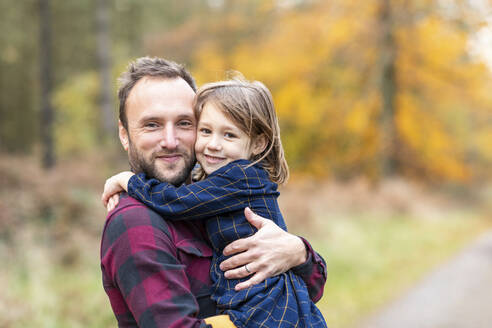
215 195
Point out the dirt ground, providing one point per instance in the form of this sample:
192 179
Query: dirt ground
456 295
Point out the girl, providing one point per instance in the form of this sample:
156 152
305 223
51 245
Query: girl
241 162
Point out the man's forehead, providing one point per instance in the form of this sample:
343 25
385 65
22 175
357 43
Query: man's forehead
151 96
171 87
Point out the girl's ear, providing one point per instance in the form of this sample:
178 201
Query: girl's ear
259 144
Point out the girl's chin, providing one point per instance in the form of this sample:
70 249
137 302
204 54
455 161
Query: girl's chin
211 168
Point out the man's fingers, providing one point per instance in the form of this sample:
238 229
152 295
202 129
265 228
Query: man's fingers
256 220
237 246
240 272
256 279
237 261
245 244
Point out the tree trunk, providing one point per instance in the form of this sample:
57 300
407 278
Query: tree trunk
47 114
107 117
388 89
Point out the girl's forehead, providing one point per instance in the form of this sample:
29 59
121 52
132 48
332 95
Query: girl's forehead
217 117
213 113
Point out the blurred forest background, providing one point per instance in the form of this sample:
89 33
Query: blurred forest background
385 108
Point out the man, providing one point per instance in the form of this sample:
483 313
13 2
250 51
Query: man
156 272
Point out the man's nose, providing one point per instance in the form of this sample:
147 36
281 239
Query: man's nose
169 139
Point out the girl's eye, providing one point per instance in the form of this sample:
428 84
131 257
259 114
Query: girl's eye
229 135
205 131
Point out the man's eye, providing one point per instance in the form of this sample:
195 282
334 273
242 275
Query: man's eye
184 123
151 125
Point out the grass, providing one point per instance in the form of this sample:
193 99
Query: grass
43 291
49 242
370 261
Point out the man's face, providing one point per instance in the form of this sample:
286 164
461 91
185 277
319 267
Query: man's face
161 129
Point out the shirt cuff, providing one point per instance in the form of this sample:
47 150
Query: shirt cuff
306 267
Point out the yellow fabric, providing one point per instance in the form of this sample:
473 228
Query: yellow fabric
220 321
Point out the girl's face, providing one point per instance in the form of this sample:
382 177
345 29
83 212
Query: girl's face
219 141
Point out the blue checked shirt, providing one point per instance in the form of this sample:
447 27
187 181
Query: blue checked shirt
280 301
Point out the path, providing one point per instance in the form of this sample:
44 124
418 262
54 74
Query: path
457 295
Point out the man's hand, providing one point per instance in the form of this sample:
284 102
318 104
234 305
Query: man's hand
269 252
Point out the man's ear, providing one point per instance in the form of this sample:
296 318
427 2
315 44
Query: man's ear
259 144
123 133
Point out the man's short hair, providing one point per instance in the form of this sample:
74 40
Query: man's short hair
152 67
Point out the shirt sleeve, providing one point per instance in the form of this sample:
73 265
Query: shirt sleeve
313 272
220 193
146 284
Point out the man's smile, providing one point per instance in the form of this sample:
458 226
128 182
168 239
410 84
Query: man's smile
169 158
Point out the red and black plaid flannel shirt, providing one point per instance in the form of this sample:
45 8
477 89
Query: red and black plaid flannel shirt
157 273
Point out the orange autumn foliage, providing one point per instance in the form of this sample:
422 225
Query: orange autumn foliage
321 60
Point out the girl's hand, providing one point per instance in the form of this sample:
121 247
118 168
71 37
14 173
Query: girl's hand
113 186
113 202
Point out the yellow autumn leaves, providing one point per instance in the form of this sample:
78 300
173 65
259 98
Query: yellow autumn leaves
322 64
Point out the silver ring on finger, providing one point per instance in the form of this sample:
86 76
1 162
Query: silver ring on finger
246 268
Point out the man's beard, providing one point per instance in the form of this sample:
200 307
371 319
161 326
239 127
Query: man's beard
139 164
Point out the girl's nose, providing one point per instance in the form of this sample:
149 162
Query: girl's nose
214 143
